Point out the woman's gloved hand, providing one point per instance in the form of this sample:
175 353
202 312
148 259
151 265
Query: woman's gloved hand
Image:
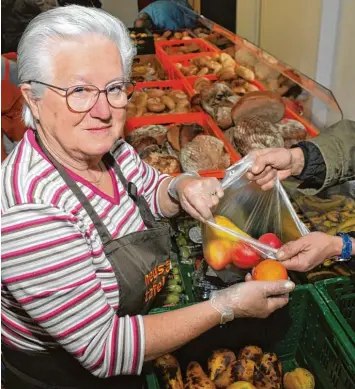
256 299
197 196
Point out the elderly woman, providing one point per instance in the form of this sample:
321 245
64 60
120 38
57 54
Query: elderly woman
82 253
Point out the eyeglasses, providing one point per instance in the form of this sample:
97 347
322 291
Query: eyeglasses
81 98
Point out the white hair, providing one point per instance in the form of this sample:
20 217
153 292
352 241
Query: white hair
34 51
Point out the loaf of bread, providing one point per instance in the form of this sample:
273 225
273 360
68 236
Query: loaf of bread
180 134
265 105
204 153
254 133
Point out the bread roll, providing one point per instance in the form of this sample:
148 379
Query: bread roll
245 73
154 104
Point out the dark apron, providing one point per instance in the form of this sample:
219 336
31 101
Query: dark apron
141 263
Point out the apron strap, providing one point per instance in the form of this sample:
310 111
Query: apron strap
131 189
99 225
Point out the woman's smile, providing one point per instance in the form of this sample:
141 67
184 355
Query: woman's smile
99 130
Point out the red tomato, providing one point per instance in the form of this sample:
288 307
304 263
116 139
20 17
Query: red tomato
271 240
244 256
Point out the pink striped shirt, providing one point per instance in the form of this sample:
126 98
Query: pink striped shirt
56 278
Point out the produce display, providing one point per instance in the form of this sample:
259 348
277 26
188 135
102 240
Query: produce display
173 292
188 239
250 368
155 101
171 35
331 215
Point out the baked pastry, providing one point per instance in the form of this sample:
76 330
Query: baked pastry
166 164
180 134
265 105
254 133
204 153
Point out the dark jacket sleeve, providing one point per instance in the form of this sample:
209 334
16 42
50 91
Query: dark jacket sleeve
329 158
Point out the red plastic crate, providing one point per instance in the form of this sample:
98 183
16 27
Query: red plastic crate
219 35
160 32
185 60
169 84
173 73
289 114
212 77
197 117
205 47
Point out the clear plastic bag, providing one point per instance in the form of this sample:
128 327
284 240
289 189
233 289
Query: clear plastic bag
254 212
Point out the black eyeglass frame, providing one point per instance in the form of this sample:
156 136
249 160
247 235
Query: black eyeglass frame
85 85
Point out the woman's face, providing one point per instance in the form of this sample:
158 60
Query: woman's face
93 60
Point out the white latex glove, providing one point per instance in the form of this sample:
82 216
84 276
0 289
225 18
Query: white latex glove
251 299
198 196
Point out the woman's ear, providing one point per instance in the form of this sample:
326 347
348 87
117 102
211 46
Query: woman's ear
30 99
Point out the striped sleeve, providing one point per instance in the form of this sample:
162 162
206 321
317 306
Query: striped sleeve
48 268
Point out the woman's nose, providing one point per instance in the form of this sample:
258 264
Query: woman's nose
102 109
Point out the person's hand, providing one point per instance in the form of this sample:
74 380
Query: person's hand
309 251
198 196
273 162
253 299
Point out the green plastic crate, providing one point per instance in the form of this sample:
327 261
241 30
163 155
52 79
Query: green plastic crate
339 295
305 334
